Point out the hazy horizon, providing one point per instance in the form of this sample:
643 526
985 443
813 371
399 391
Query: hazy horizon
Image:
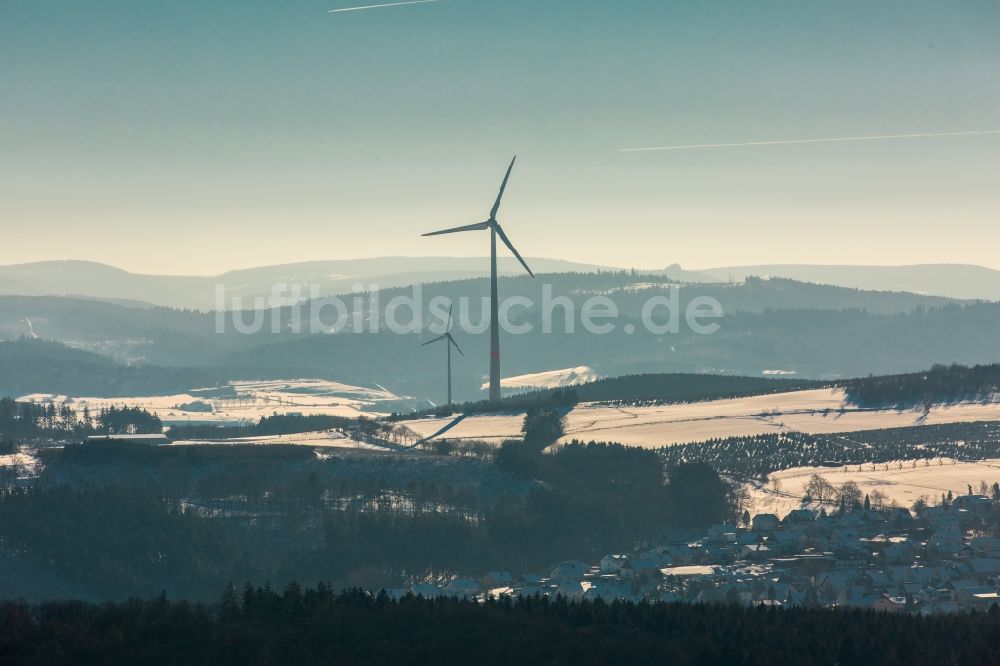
510 264
198 139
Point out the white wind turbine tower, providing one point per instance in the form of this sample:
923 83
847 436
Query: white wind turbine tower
495 230
449 341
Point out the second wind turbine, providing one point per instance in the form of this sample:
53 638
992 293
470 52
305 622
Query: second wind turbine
449 341
495 230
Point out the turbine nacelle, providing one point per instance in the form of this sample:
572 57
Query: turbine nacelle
491 224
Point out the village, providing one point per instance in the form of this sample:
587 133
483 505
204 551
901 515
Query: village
941 559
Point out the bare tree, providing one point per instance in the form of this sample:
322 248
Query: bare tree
820 489
878 499
849 495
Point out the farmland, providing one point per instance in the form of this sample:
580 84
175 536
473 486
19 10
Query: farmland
817 411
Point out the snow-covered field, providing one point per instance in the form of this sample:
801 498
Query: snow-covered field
901 481
254 400
549 379
491 427
817 411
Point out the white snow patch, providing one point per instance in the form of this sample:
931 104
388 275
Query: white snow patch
903 482
549 379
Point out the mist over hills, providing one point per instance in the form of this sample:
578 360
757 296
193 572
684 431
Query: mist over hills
952 280
92 280
96 280
806 330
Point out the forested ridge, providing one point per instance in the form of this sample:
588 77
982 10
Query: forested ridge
281 513
307 626
940 385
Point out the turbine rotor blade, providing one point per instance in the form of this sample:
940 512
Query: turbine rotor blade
480 226
450 308
452 341
510 246
440 337
496 206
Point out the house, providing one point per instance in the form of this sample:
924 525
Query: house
830 586
982 545
497 579
879 580
984 566
852 549
983 599
747 538
890 604
788 541
660 555
679 553
721 533
898 515
856 597
640 569
799 517
900 552
755 551
532 586
569 570
976 594
608 592
462 587
940 517
973 503
765 522
573 590
717 552
612 563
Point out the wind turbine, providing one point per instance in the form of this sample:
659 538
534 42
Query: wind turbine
449 341
495 230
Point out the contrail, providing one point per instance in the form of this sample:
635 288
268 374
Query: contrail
388 4
883 137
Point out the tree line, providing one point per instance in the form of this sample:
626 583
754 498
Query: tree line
756 456
316 625
278 424
942 384
31 420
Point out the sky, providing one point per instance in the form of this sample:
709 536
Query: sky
189 137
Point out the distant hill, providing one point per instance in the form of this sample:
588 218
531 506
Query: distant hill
37 366
771 327
952 280
94 280
99 281
166 336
